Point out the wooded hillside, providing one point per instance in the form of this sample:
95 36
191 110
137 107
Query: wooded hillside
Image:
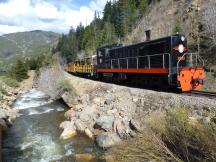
125 21
119 18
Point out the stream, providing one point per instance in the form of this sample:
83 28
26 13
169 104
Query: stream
34 137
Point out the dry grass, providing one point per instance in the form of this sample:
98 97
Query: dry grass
170 136
147 146
210 82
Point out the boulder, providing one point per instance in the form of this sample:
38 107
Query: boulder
109 99
69 130
89 133
87 114
84 99
107 140
84 157
122 128
68 99
67 134
80 126
105 123
134 125
84 117
70 114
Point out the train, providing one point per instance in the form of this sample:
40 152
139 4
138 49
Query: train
165 62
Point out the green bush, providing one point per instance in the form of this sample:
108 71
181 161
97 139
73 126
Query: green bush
19 71
9 81
3 90
178 26
65 84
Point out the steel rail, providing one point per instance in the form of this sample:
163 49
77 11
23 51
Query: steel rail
203 94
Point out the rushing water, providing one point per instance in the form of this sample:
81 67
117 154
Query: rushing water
34 137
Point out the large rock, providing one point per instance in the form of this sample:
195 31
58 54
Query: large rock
69 130
84 99
80 126
68 134
89 133
88 113
121 127
109 99
107 139
70 114
69 99
105 123
135 125
84 157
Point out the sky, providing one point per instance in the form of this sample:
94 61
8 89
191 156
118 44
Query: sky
48 15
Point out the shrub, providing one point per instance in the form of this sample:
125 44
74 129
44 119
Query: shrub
190 141
18 71
9 81
178 26
3 90
66 86
171 136
147 146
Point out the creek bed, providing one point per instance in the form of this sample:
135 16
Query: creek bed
34 137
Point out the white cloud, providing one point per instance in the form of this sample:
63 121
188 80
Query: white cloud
25 15
98 5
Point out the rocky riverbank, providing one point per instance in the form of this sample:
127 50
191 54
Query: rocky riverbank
109 113
8 96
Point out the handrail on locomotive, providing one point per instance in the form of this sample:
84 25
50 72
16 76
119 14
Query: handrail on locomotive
138 58
198 60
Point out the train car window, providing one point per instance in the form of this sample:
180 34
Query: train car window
101 60
99 53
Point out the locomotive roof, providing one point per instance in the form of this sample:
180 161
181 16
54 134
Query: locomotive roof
151 41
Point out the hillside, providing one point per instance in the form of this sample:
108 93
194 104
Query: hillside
194 18
24 45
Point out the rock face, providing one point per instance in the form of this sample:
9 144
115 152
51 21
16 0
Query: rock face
111 113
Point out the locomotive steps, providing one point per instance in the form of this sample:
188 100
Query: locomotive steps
109 113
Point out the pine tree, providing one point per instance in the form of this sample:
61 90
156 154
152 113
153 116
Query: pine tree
18 71
108 36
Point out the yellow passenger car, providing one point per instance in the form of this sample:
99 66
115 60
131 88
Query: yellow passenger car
81 66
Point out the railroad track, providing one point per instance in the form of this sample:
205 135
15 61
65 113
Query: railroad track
210 95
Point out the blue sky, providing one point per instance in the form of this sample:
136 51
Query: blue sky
48 15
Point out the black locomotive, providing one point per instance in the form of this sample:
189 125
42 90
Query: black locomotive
164 62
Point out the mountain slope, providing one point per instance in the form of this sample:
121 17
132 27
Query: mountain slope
194 18
24 45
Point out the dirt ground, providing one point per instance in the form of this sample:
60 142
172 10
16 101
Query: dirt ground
27 84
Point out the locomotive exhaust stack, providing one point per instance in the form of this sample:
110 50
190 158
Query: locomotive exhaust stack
148 35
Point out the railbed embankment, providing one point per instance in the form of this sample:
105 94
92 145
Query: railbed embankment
110 113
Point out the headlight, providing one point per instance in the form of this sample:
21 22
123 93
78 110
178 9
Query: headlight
182 38
181 48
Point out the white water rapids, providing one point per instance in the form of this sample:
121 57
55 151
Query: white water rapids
34 137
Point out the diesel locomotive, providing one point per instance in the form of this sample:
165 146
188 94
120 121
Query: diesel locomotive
163 62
